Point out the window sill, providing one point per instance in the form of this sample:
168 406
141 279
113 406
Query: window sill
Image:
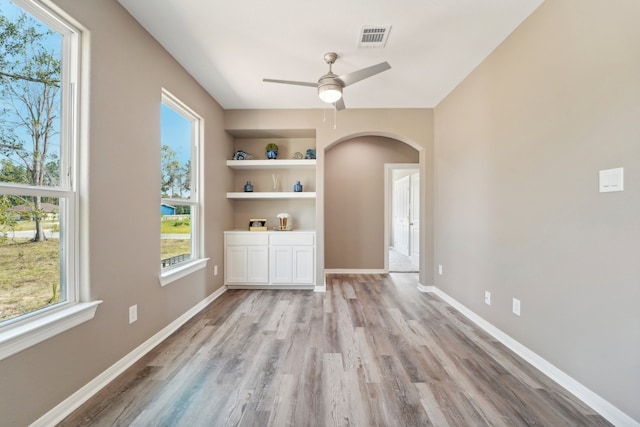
32 332
182 270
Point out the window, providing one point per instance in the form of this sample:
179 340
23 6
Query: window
181 131
39 61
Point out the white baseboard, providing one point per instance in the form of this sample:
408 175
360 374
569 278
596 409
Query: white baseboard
423 288
323 286
354 271
597 403
73 402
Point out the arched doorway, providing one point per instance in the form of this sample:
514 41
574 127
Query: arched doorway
354 201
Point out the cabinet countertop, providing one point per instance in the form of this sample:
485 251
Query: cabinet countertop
271 231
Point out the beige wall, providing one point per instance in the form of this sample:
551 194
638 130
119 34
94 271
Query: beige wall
127 71
354 200
518 148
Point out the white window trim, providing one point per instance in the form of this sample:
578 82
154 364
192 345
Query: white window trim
198 262
27 334
181 270
24 332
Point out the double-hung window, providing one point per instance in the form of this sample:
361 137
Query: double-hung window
180 207
39 125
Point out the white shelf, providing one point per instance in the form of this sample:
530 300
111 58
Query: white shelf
272 195
272 164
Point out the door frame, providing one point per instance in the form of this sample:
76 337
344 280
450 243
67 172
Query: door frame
388 202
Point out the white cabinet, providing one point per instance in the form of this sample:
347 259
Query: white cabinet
291 264
281 266
257 264
270 259
291 257
235 264
246 258
303 261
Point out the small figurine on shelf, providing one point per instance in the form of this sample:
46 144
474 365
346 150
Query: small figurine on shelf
311 154
271 151
242 155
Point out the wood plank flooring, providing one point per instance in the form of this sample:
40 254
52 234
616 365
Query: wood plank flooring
371 351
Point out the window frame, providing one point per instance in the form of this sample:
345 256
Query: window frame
21 332
195 201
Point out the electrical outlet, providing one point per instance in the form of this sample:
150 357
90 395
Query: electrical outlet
516 307
487 297
133 313
215 270
440 269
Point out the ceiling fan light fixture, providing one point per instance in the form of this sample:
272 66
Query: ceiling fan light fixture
330 93
330 85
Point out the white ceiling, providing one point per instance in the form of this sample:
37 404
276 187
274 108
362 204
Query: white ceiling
230 46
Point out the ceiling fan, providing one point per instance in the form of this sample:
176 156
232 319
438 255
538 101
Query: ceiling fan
330 85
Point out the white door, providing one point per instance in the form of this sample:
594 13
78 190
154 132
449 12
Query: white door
401 214
257 264
414 219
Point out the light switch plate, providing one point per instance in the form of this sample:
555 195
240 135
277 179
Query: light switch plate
133 313
612 180
516 307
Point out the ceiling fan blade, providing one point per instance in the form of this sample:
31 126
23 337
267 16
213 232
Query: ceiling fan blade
339 104
356 76
291 82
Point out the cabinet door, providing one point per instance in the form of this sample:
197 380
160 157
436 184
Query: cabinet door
235 269
303 261
281 269
257 264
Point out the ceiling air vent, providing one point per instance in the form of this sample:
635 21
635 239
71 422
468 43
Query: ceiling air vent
374 36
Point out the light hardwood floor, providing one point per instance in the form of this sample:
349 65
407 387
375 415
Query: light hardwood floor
372 350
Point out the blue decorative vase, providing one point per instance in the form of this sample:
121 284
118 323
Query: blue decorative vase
297 187
248 187
272 154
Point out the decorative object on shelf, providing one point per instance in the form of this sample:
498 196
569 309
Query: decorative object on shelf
275 177
311 154
283 217
297 187
272 151
248 187
242 155
298 155
257 224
